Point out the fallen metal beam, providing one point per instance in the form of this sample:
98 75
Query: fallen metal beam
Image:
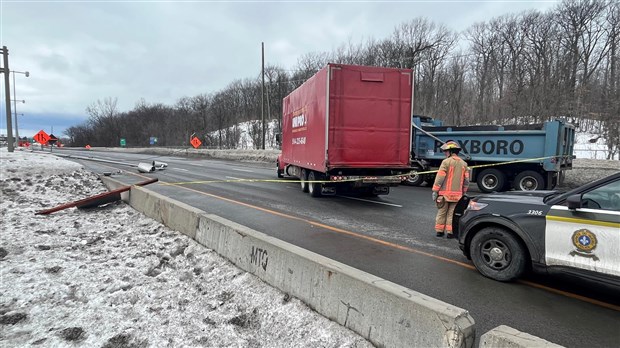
95 201
146 167
160 165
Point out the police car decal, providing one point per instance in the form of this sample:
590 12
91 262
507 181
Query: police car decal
587 239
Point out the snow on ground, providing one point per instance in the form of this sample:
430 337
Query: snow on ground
592 150
111 277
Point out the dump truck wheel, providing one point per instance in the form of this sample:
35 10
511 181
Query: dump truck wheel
415 179
529 181
490 180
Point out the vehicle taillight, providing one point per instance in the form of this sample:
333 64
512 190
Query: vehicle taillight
475 205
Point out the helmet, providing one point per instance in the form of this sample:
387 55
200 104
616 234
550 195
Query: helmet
450 145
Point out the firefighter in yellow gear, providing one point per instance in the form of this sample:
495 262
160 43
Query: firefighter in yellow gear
451 183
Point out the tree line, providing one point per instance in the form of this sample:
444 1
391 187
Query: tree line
534 66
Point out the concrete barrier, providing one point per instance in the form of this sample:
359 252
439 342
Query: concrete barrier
387 314
506 337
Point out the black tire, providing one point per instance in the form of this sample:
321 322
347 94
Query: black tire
415 179
497 254
490 180
279 171
529 180
303 180
429 180
314 188
551 181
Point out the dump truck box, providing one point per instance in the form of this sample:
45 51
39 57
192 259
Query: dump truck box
523 157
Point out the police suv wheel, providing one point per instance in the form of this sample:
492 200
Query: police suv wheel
497 254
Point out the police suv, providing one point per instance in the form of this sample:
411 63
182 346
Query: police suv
577 232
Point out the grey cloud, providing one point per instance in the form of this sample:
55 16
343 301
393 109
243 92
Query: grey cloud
162 51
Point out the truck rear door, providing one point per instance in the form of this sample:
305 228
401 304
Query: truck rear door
369 117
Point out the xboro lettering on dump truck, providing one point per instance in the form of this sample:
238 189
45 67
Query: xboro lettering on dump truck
489 147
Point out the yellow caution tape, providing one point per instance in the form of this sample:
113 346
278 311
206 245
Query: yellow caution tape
413 172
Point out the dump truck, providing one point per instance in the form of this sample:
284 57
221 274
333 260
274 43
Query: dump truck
348 129
503 157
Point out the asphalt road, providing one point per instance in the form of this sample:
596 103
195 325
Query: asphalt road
388 236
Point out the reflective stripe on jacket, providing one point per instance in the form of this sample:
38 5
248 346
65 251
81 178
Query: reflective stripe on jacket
452 179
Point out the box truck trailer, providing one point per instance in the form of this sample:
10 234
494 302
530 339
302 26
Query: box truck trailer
348 129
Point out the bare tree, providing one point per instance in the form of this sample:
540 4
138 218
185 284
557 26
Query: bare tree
560 63
104 117
483 45
611 92
431 68
582 34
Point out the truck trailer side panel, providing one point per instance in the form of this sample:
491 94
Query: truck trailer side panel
304 124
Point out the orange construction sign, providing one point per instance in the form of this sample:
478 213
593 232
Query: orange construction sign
41 137
195 142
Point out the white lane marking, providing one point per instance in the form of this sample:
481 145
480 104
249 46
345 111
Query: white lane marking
368 200
181 169
243 170
234 178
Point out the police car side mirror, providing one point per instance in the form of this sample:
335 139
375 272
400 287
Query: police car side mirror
573 202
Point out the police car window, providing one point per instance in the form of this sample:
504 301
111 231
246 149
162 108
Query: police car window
606 197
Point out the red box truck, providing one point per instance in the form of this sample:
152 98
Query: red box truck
348 128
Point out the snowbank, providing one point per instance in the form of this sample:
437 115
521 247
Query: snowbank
111 277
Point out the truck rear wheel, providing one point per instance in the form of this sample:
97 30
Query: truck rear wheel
314 188
279 171
490 180
303 180
529 180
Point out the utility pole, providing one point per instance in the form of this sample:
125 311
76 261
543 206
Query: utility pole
7 94
262 93
15 111
15 104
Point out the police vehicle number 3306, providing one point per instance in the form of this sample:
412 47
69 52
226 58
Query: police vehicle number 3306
576 232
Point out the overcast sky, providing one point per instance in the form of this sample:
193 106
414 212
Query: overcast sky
80 51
